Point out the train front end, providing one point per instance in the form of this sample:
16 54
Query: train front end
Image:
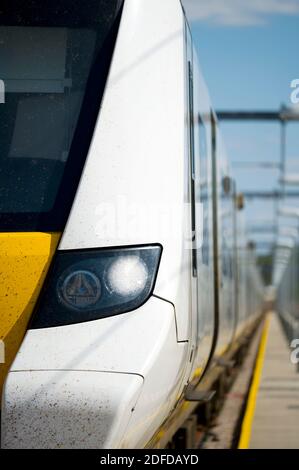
89 322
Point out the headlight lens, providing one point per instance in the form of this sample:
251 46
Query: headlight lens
127 275
91 284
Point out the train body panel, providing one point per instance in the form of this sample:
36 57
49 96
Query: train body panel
25 258
141 344
95 413
126 195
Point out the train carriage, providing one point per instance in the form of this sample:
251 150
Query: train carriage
122 277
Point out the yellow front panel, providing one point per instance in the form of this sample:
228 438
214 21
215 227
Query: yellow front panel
24 261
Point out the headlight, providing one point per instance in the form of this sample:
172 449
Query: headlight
91 284
127 275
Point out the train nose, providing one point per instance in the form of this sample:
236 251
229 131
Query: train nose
53 409
24 261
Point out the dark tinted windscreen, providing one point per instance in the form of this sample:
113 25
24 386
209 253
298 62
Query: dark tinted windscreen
54 61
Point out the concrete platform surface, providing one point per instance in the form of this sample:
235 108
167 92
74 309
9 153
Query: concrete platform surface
275 422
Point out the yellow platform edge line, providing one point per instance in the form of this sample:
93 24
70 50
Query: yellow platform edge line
252 397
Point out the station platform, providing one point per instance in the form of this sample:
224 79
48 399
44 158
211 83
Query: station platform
271 419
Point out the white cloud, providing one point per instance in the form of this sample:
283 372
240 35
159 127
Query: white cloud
238 12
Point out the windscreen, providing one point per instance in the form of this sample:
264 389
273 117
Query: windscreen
54 61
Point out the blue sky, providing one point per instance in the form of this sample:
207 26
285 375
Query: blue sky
249 66
249 54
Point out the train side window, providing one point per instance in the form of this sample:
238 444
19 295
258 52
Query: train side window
192 169
204 190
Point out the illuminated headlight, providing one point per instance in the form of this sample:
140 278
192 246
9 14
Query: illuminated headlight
127 275
91 284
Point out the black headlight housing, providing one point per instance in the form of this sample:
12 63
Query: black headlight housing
85 285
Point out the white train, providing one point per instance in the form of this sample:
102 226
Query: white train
116 156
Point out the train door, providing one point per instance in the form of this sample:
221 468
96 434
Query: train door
208 279
227 254
191 243
201 208
215 232
205 268
236 265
